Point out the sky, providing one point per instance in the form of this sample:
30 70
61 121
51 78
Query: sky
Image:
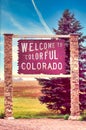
34 17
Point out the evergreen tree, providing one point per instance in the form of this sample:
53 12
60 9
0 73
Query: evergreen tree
82 75
69 25
56 92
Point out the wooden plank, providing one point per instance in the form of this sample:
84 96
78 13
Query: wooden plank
40 36
42 76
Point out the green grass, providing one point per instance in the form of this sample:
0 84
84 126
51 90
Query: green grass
27 108
31 108
1 105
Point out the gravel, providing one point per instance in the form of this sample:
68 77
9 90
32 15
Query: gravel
41 124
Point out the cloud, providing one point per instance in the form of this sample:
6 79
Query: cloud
18 25
41 18
35 28
14 22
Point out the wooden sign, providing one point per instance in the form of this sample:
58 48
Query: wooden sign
41 56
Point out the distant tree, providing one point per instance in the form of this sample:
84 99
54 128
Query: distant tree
56 91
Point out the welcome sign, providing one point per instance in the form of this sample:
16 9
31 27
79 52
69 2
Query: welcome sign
41 56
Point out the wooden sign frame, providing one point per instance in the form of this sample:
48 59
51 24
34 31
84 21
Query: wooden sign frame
74 72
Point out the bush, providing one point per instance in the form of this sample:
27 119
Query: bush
66 117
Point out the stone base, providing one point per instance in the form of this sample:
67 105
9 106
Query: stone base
9 118
74 117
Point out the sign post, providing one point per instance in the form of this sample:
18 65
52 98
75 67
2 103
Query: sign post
74 80
8 89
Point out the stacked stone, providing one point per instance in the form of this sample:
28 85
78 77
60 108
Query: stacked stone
8 89
74 71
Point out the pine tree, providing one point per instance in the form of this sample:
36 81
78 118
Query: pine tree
56 95
82 75
56 92
68 25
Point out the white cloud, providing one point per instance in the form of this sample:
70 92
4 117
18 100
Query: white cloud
18 25
14 22
33 27
41 18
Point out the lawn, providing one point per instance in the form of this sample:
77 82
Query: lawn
1 105
31 108
27 108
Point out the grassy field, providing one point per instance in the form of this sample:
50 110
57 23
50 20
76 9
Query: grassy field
1 105
25 100
26 103
27 108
